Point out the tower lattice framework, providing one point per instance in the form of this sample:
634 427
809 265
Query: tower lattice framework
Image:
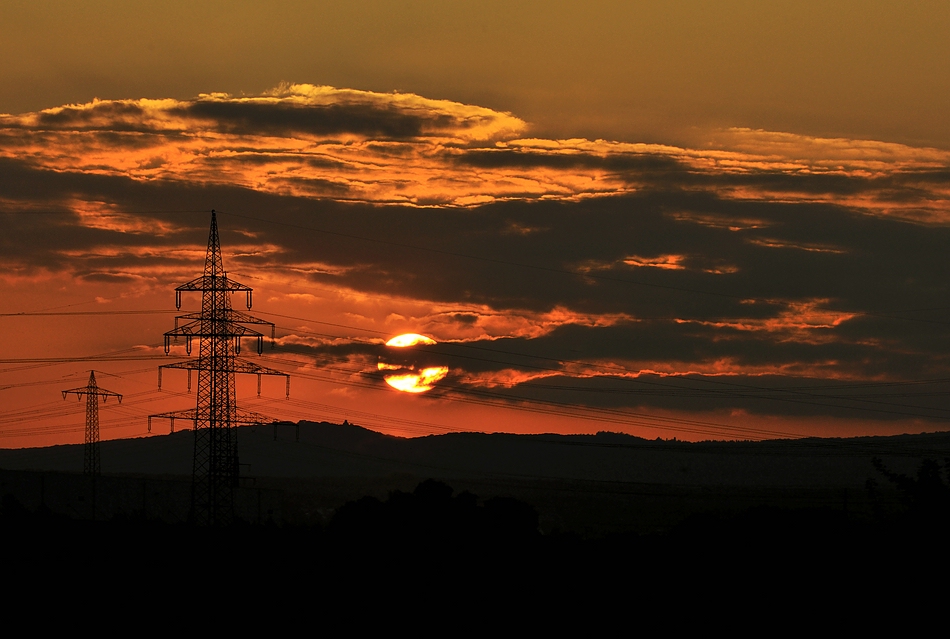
219 330
91 464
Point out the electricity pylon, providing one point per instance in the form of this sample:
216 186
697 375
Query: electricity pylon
92 392
219 330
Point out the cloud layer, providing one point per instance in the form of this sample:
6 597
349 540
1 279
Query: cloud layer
769 273
311 141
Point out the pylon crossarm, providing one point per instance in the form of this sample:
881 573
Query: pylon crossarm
246 318
188 364
191 329
188 413
249 418
105 395
224 328
242 365
180 331
101 392
239 317
213 283
244 417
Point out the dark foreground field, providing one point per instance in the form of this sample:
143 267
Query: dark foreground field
546 511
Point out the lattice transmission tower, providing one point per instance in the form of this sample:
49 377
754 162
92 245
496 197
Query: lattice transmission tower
91 390
219 330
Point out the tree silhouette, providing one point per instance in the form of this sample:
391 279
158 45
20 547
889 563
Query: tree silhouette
926 497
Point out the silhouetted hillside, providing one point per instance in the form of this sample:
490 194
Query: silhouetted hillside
333 450
591 485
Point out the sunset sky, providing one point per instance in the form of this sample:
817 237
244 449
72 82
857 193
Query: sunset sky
698 220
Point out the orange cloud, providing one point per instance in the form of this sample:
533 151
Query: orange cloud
668 262
807 322
323 142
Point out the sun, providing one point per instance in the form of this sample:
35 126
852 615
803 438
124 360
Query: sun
409 339
410 371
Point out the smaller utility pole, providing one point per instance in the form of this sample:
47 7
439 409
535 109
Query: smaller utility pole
92 393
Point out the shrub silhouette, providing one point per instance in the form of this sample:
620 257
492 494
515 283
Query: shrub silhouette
431 515
926 497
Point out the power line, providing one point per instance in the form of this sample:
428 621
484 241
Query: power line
509 398
81 313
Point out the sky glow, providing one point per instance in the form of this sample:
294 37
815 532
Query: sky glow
681 246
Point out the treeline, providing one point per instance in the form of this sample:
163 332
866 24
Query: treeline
432 532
